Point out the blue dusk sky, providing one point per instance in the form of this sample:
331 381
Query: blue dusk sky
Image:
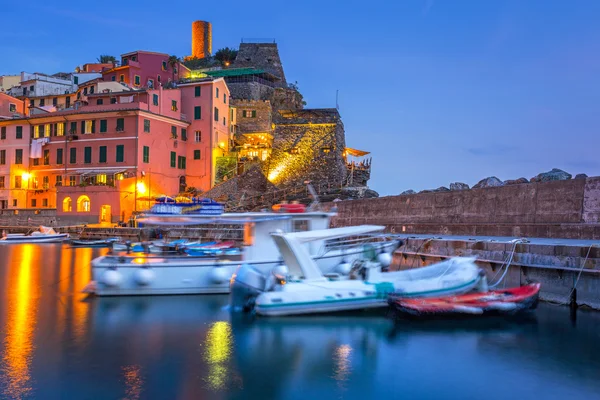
438 90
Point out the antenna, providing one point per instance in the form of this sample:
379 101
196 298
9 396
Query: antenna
337 92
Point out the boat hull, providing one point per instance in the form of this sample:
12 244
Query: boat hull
30 239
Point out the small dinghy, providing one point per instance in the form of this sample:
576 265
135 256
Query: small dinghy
43 235
299 286
494 302
93 243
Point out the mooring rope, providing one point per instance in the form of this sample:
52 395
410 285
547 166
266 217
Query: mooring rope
580 271
512 254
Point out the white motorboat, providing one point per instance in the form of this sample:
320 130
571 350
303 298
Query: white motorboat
302 288
43 235
210 272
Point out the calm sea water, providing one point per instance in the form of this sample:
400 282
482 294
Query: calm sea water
56 344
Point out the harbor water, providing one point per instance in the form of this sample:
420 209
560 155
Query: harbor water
55 343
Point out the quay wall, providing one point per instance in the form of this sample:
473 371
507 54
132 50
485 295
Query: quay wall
557 209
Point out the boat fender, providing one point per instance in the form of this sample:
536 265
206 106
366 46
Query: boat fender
218 275
280 272
343 268
144 276
111 278
385 259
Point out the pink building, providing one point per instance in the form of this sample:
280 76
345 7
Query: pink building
146 69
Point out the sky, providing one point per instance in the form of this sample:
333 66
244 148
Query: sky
439 91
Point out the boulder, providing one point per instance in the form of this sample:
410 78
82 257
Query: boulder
554 175
459 186
426 191
491 181
409 191
516 181
581 176
441 189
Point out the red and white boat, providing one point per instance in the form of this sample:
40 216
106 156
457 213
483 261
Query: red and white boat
503 301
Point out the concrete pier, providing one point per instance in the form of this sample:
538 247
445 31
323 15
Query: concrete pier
560 265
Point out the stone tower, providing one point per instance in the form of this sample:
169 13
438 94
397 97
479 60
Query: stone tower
201 39
263 56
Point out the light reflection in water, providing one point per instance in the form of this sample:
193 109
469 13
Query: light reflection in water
133 382
80 308
217 352
342 363
22 295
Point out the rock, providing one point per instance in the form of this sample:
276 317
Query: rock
409 191
491 181
581 176
441 189
554 175
516 181
459 186
426 191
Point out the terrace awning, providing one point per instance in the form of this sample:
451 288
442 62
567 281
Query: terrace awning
89 172
356 153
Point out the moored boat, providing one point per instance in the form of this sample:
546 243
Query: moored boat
494 302
93 243
44 234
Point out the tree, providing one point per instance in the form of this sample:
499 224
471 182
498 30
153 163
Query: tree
106 59
173 61
226 56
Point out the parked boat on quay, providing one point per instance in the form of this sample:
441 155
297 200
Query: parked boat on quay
44 234
205 272
302 288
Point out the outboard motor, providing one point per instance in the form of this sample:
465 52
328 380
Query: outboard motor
246 284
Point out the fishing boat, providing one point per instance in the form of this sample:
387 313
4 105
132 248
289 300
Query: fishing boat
93 243
207 272
44 234
494 302
302 288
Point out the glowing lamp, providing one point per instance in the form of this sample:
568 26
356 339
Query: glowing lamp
26 176
141 188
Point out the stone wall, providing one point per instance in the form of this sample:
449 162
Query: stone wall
251 183
262 56
250 91
567 209
261 123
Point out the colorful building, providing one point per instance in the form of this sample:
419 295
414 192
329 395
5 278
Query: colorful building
8 81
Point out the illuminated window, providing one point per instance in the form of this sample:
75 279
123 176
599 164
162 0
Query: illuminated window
83 204
173 105
58 180
60 129
18 182
46 182
67 204
88 126
101 178
36 131
72 180
164 65
174 132
34 182
325 150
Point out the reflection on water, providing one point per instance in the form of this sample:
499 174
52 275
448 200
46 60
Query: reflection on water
56 344
22 297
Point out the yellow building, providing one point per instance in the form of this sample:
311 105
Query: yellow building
8 81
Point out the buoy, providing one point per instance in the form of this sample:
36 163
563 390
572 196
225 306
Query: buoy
385 259
343 268
144 276
218 275
111 278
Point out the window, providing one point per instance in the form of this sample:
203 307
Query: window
15 202
158 78
34 182
113 78
224 123
12 107
33 203
99 102
196 154
72 155
120 124
120 153
76 80
60 129
224 98
174 132
146 154
102 155
19 156
101 178
67 102
181 162
19 132
150 83
173 105
72 180
183 134
147 125
46 157
136 80
173 159
31 103
113 100
42 102
46 182
44 202
83 204
36 131
197 112
103 125
85 91
2 157
18 182
90 126
36 161
197 91
216 114
91 90
217 92
58 180
3 133
121 78
198 136
87 155
67 204
73 128
1 182
164 65
155 99
59 156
